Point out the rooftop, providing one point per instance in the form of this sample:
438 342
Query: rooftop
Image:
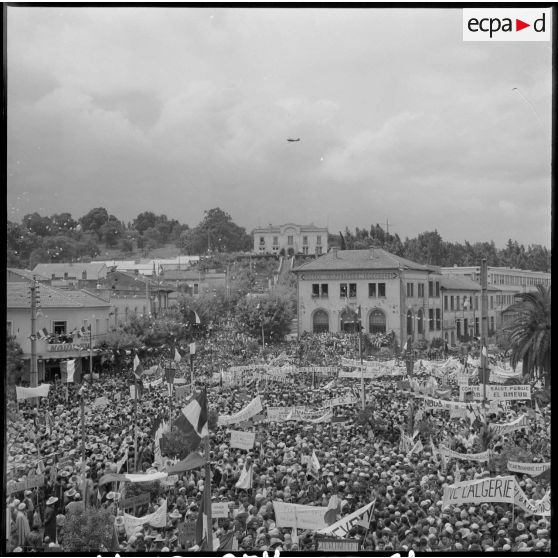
27 274
18 296
461 283
373 258
92 269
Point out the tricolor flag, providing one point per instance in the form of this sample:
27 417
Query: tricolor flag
137 367
333 509
177 357
245 480
314 465
192 421
341 528
42 333
405 346
68 369
484 351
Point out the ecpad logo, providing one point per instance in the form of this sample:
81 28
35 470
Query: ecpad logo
506 24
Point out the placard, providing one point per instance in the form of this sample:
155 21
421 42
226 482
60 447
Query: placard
242 440
510 393
299 516
26 484
533 469
334 544
492 489
220 509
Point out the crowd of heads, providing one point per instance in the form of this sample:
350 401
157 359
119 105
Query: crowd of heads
358 451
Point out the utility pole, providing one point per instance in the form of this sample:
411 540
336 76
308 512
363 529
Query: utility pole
83 480
207 496
484 329
33 373
363 393
90 354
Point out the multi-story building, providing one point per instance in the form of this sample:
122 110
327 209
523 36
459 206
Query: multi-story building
508 281
393 294
290 239
462 309
60 312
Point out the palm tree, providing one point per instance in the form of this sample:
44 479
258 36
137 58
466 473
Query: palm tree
530 333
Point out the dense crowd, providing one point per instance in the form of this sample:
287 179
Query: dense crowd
358 451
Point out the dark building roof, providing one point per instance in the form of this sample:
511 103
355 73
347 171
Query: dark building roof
373 258
462 283
18 296
27 274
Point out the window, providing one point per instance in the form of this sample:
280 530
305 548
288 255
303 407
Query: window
438 320
421 290
451 303
320 322
59 327
471 302
371 289
290 240
319 250
84 275
457 305
377 322
476 326
262 240
343 290
196 288
352 290
275 241
458 326
65 275
305 250
437 289
431 319
492 323
420 320
410 289
381 290
476 302
304 240
409 323
53 276
325 290
491 302
315 290
446 303
318 240
430 289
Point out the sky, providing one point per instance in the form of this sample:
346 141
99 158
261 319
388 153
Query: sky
180 110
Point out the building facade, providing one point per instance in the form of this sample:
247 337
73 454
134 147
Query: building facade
393 294
73 275
60 312
290 239
461 306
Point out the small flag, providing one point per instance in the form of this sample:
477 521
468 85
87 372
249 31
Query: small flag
245 480
42 333
198 321
457 473
177 357
333 509
136 362
193 348
405 346
192 421
201 522
484 351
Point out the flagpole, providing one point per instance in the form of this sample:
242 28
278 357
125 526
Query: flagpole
208 496
83 485
135 424
90 355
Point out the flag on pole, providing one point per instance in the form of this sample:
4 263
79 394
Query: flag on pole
68 369
341 528
484 351
405 346
333 509
42 333
198 321
193 348
245 480
136 362
457 472
192 420
313 465
177 357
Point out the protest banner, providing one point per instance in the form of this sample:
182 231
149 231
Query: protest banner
28 393
358 374
242 440
156 519
187 533
533 469
448 453
491 489
133 501
26 484
341 528
341 400
508 393
154 383
100 403
253 408
299 516
531 507
220 509
505 428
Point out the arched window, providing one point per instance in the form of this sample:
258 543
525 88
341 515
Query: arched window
377 322
320 321
420 322
410 323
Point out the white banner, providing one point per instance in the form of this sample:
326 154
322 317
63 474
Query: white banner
299 516
505 428
446 452
152 384
533 469
342 527
253 408
27 393
220 510
341 400
242 440
156 519
499 392
492 489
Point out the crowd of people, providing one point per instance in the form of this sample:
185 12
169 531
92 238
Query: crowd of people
359 452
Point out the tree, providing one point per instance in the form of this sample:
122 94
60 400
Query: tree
529 332
111 231
63 222
94 220
35 223
88 531
152 238
144 221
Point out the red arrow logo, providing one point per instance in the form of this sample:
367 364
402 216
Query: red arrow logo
519 25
